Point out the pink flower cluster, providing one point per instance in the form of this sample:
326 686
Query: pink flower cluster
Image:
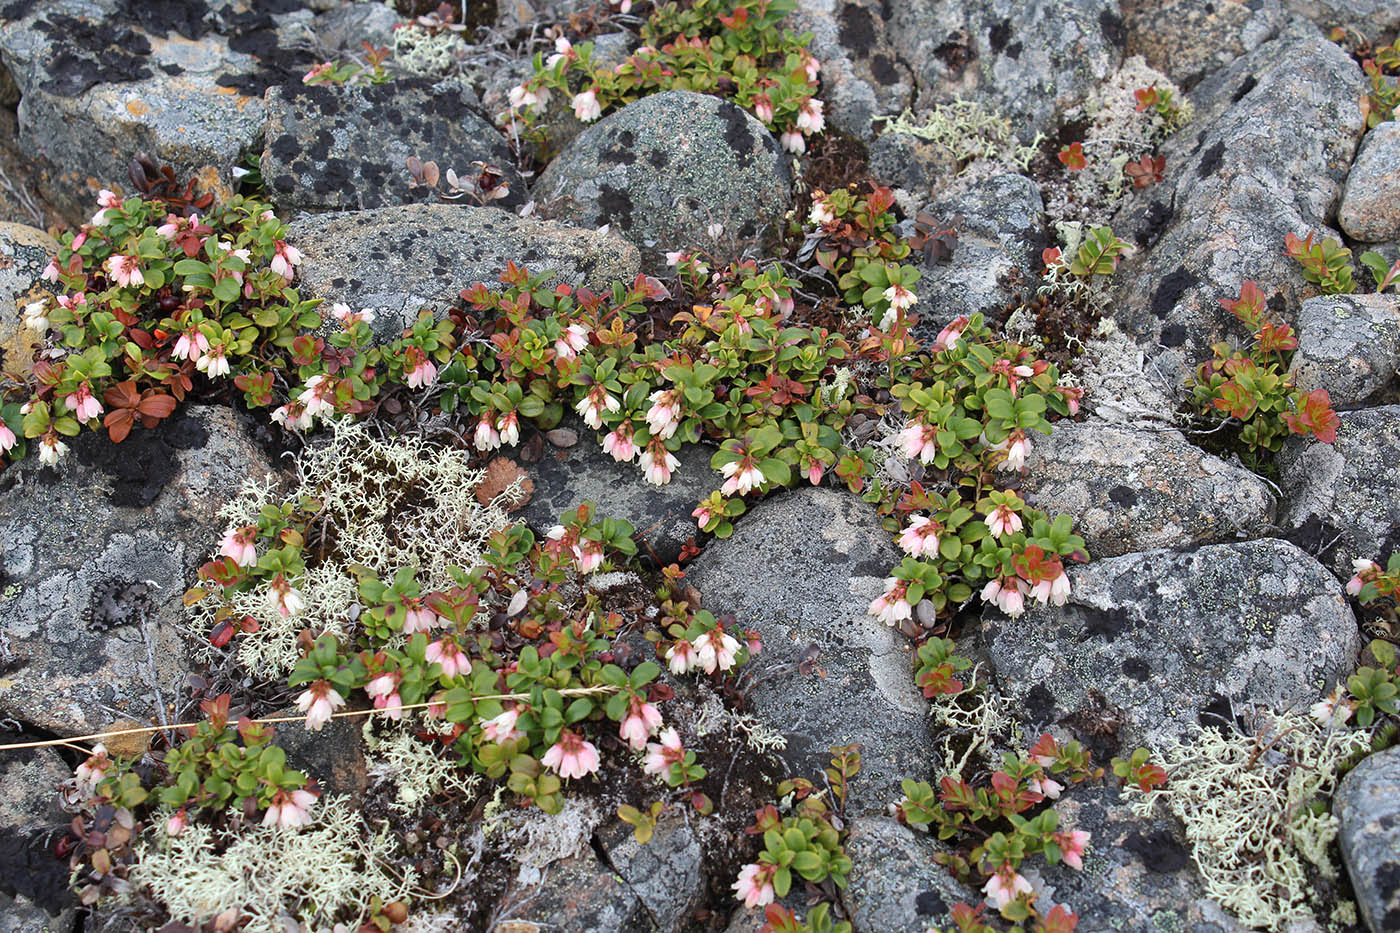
712 651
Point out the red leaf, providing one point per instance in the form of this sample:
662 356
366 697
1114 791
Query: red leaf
1073 157
157 406
1315 416
118 424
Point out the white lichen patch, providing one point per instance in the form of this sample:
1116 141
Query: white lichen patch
971 132
416 768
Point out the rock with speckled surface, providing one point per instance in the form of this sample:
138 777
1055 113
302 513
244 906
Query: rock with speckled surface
1367 805
347 148
1187 39
1163 640
667 873
578 893
1343 499
24 252
860 80
1348 345
34 895
661 170
1369 16
832 557
1370 210
98 553
894 885
1133 490
398 260
1266 155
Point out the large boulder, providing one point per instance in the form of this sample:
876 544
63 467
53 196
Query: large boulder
1161 641
1266 156
1342 500
895 886
1367 806
829 556
1348 345
1131 489
1370 209
398 260
861 77
662 170
97 555
347 148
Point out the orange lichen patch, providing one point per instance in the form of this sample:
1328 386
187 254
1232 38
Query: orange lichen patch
137 108
207 178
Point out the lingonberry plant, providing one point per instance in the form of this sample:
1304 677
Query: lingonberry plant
738 50
1252 384
1328 265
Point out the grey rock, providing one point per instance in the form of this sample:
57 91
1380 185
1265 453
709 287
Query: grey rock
1370 209
1134 490
905 161
333 756
661 170
1030 60
1137 877
96 92
512 15
829 552
1378 16
21 915
860 76
1345 496
398 260
345 27
1367 805
1187 40
579 893
24 252
1168 637
894 885
997 240
564 477
101 553
1348 345
667 874
29 818
347 148
1265 156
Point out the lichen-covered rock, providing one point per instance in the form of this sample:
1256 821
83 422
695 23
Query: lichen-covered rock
861 77
999 240
1265 156
829 556
1367 805
97 555
34 895
1159 641
24 252
578 893
1187 40
1348 345
1133 490
398 260
1370 209
660 171
347 148
666 874
1029 60
1378 16
345 27
564 477
894 885
1343 499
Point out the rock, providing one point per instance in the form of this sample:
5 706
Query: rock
1348 345
1265 156
661 170
96 92
861 78
1159 641
1187 40
999 243
894 885
667 874
564 477
1367 805
1378 16
97 556
1137 877
832 557
334 756
1343 499
1029 60
1370 209
1134 490
24 252
398 260
345 27
34 895
513 15
578 893
347 148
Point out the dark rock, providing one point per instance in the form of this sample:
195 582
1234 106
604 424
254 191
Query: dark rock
1370 209
1348 345
34 895
1133 490
661 170
1367 805
895 886
579 893
398 260
829 551
667 874
1378 16
347 148
1148 640
334 757
1342 500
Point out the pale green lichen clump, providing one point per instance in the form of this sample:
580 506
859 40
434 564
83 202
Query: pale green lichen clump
1247 805
384 505
427 53
323 874
967 130
416 768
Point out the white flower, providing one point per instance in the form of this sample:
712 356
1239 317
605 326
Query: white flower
809 118
51 449
821 213
793 142
34 316
586 106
